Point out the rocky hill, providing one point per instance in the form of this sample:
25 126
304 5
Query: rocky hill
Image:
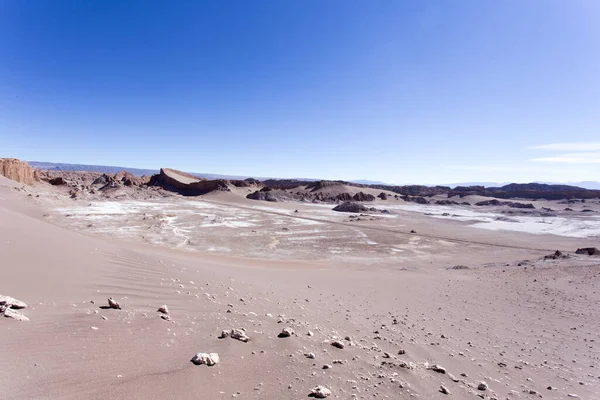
531 191
18 170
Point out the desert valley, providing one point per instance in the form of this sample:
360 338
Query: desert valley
176 287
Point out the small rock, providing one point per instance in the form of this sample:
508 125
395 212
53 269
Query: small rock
163 309
338 344
310 355
327 366
286 332
113 304
239 334
10 313
444 389
437 368
401 352
482 386
209 359
11 302
320 392
225 334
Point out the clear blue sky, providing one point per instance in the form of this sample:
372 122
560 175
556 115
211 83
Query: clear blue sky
398 91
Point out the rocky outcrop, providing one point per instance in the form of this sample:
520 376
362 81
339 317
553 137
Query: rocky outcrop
18 171
283 183
590 251
185 183
532 191
447 203
343 197
129 179
414 190
58 181
557 255
415 199
505 203
382 196
103 180
262 195
350 207
318 185
360 196
268 194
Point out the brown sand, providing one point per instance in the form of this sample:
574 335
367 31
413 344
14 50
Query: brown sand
521 329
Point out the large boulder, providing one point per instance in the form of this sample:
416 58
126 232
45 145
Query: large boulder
18 170
58 181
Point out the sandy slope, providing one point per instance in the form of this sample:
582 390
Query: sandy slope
540 321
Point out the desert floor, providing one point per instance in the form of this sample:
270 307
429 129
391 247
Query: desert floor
410 320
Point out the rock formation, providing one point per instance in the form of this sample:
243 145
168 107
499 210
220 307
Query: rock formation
590 251
185 183
360 196
350 207
18 170
505 203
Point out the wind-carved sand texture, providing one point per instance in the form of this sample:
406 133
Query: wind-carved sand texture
424 301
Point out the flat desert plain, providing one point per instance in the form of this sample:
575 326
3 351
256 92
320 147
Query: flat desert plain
430 302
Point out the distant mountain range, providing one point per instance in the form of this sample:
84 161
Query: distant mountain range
139 172
368 182
109 169
106 169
